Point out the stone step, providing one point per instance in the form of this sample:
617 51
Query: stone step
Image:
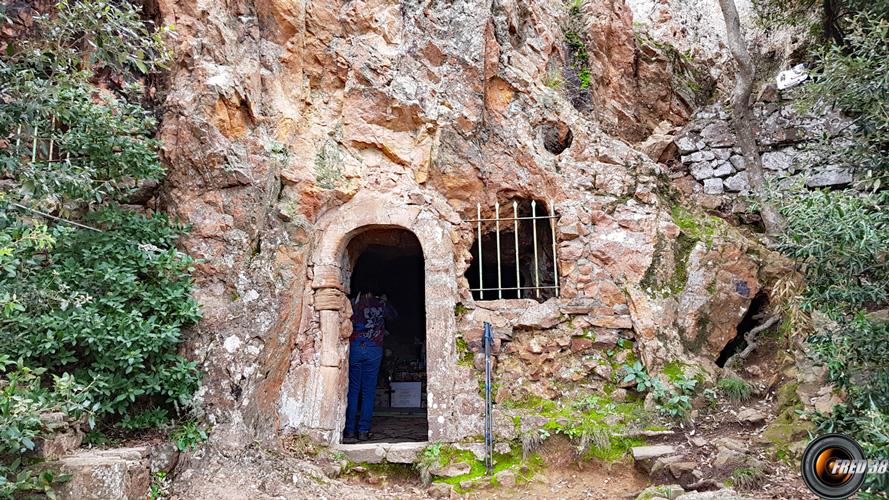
375 453
121 473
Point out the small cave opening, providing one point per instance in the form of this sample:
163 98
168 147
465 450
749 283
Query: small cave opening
389 262
515 281
756 313
557 137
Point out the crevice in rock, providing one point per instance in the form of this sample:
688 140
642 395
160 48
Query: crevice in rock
756 315
510 26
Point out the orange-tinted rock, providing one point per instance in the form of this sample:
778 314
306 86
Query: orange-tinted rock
287 130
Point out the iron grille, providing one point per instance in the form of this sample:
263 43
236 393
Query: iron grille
514 223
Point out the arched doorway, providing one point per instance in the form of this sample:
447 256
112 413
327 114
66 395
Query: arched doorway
313 393
388 262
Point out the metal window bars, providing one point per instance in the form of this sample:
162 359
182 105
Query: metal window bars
497 219
42 148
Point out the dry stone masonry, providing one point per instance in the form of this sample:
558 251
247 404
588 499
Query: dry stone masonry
712 165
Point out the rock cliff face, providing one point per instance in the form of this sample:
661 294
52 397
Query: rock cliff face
290 126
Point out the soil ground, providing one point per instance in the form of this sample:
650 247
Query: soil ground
305 471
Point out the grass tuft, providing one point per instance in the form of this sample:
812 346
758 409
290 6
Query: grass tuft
734 388
747 478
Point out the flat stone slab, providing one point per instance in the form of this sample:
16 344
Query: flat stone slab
99 474
404 453
375 453
651 452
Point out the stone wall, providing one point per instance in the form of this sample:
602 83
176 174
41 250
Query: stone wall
711 169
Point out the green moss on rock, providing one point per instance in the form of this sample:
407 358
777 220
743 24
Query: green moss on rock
464 355
695 226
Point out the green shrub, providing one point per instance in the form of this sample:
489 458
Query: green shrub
159 487
856 357
188 435
23 399
93 295
637 374
106 307
734 388
839 237
673 403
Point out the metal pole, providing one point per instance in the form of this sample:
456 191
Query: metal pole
552 226
518 279
497 230
52 130
34 148
534 228
481 284
489 412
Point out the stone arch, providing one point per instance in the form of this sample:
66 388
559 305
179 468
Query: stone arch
314 396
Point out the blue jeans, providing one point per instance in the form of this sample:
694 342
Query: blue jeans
364 366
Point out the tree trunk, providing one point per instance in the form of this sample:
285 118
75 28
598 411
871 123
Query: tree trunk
742 119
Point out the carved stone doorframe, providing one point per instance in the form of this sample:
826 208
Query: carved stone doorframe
330 273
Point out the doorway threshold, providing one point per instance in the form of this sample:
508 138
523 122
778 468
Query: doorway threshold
375 453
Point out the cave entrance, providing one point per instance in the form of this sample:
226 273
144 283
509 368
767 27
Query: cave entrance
389 262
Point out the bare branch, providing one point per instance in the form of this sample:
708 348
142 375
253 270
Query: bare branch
750 338
58 219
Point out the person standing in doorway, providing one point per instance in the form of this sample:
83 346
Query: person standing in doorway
369 315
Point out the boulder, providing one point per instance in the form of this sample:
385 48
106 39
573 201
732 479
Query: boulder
403 453
163 457
452 469
689 143
738 162
751 416
713 186
668 491
440 490
737 183
370 453
718 134
722 281
506 478
729 459
732 444
59 444
682 469
698 156
776 160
